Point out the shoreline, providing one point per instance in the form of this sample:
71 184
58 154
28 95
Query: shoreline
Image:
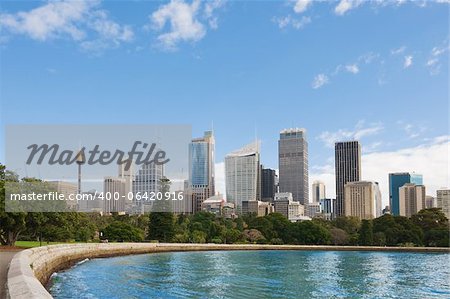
30 269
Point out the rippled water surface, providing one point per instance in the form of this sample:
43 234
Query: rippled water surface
259 274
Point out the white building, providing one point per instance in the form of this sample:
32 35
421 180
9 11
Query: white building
362 199
443 201
313 209
146 182
242 175
318 191
412 199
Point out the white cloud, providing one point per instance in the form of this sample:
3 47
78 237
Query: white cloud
352 68
184 21
283 22
82 21
398 50
346 5
433 63
430 160
301 5
319 81
359 131
408 61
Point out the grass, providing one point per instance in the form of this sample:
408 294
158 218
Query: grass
30 244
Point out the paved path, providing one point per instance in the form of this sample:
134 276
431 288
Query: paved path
5 258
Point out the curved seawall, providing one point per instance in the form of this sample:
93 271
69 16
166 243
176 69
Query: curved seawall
30 269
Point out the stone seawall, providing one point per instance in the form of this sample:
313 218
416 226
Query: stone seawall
30 269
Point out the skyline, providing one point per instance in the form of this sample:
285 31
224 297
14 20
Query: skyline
252 68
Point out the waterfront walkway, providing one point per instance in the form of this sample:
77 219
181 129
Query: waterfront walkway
5 258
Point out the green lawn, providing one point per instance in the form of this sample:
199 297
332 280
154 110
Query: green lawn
29 244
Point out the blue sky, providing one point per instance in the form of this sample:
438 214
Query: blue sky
374 71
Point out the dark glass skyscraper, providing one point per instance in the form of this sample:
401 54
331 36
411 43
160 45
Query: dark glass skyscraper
293 164
347 169
268 184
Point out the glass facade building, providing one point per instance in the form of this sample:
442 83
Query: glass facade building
397 180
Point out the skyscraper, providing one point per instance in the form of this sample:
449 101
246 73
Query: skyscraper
443 201
397 180
362 199
115 195
347 169
147 180
412 199
318 191
268 184
242 175
201 169
293 164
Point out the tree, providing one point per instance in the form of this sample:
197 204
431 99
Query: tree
11 224
123 232
162 221
366 233
308 232
434 225
338 236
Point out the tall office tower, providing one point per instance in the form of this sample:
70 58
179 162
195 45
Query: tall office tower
293 164
443 201
268 184
412 199
243 175
127 176
146 181
362 199
397 180
201 169
318 191
347 169
114 195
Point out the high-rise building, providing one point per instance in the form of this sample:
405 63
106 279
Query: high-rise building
362 199
127 175
430 202
412 199
201 169
443 201
397 180
147 180
327 208
243 175
268 184
347 169
115 197
318 191
293 164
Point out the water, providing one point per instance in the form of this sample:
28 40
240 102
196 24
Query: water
259 274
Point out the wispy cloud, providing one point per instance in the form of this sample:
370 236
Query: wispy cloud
399 50
434 59
360 130
345 5
319 81
81 21
301 6
297 23
352 68
183 22
408 61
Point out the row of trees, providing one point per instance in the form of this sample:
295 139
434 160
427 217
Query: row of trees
429 227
